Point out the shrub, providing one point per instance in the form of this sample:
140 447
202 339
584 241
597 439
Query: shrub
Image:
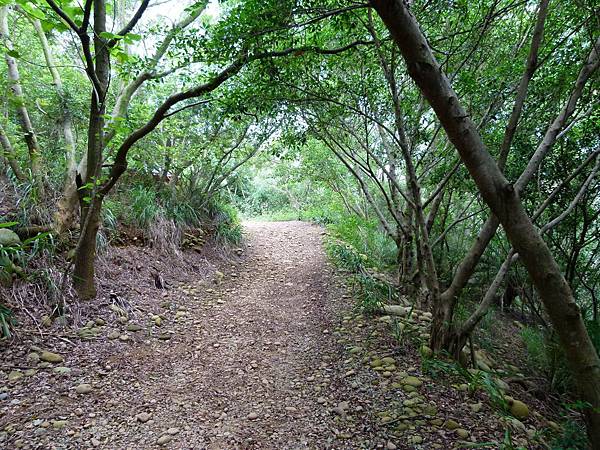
15 257
371 292
144 207
546 355
572 436
228 225
367 238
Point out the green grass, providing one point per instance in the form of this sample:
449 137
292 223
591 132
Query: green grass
544 354
228 224
282 215
370 292
144 206
7 320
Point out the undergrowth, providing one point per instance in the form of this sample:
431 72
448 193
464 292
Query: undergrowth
545 355
479 380
370 292
165 215
15 259
378 250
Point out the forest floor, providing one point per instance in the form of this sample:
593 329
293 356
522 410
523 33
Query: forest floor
266 352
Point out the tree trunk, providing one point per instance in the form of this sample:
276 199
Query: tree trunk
423 247
504 202
68 205
467 266
22 113
85 254
90 199
8 153
490 295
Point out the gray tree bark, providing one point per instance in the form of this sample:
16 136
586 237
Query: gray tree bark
29 135
503 199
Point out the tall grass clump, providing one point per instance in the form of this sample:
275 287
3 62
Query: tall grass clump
144 206
227 222
370 292
367 237
545 355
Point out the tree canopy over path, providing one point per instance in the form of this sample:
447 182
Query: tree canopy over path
451 148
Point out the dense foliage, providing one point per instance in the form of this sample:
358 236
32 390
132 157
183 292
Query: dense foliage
301 110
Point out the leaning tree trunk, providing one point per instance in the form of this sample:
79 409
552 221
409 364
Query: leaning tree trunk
503 200
467 265
68 205
22 112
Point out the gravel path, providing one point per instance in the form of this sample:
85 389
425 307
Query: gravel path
245 360
264 353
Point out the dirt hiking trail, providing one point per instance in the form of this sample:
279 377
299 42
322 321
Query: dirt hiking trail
267 352
243 361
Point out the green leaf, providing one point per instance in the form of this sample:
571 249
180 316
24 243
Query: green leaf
36 237
8 224
132 37
13 53
33 10
109 35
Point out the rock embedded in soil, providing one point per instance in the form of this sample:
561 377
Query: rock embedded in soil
451 424
502 385
14 375
426 351
9 237
518 409
462 433
252 416
415 440
51 357
143 417
164 439
59 424
476 407
376 363
412 381
84 388
114 335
